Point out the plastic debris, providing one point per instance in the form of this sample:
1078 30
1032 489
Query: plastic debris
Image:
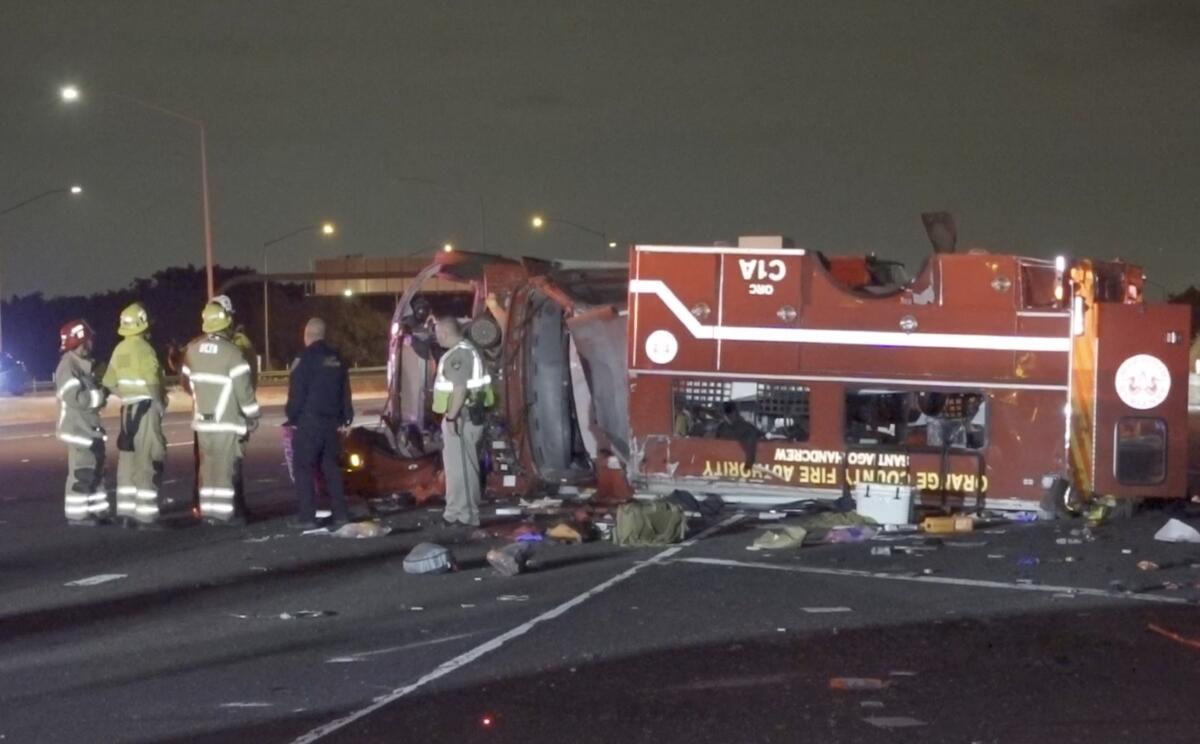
1068 541
510 560
945 525
890 722
542 503
429 558
779 538
1175 531
842 535
306 614
508 511
564 533
361 530
1147 566
857 683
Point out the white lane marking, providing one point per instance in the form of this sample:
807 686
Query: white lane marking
946 580
825 610
94 580
25 436
892 722
470 656
179 444
246 705
364 655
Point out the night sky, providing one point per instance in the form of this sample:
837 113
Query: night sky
1044 126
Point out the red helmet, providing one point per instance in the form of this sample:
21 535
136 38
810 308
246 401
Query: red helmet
74 334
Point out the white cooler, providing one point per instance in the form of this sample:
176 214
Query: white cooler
884 504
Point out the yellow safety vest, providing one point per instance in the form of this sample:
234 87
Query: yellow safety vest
134 373
479 385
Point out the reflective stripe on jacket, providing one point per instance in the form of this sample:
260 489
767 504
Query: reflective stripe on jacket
80 400
134 372
478 384
220 381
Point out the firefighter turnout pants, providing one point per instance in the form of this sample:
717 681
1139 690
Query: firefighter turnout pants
221 455
460 460
140 461
316 445
86 500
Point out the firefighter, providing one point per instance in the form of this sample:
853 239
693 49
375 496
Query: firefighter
462 390
318 405
81 397
225 413
136 376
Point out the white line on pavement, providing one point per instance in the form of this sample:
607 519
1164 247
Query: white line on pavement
945 580
364 655
468 657
94 580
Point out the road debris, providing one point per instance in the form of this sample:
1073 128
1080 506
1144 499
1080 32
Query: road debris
857 683
306 614
510 560
891 722
94 580
780 537
513 598
362 530
947 525
429 558
246 705
1175 531
1147 566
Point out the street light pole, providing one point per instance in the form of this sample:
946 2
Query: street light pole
71 94
73 191
539 221
327 229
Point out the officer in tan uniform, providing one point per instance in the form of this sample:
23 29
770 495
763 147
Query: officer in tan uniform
225 412
461 391
135 375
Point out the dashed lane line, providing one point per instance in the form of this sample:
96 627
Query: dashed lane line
474 654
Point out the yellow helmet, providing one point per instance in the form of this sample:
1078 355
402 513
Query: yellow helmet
215 318
134 320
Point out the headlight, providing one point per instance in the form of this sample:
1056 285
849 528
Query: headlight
355 461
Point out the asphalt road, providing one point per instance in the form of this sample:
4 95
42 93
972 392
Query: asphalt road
202 634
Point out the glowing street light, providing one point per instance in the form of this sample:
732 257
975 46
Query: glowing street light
71 94
74 190
539 221
348 292
328 229
448 247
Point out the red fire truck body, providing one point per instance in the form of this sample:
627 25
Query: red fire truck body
987 379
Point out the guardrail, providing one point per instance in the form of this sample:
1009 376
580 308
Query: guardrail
266 378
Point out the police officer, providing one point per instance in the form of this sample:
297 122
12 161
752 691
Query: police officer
461 390
136 376
81 398
225 412
318 405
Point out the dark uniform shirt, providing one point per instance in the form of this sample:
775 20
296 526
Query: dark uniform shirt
319 389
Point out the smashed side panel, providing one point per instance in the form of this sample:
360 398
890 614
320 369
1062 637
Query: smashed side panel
600 336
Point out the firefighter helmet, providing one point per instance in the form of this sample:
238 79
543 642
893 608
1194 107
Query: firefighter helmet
74 334
134 320
225 302
215 318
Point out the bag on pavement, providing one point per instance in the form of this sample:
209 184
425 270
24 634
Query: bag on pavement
649 523
428 558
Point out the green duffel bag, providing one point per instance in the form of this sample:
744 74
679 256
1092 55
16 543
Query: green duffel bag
649 523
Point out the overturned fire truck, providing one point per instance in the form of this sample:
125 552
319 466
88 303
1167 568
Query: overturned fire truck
768 373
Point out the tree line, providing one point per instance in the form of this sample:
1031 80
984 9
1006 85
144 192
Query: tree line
174 298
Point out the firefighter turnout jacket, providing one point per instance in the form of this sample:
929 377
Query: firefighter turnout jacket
81 398
220 380
134 373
